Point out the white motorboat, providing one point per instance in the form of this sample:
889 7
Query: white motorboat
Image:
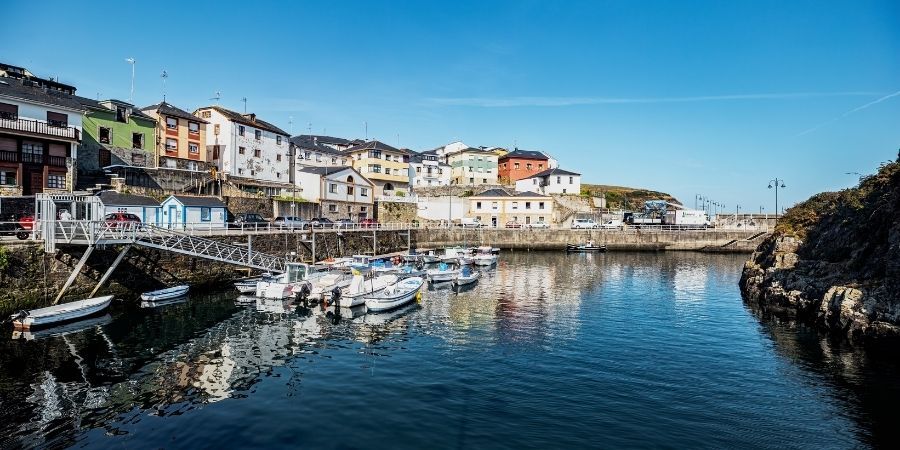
286 284
63 329
360 287
160 303
248 285
484 256
363 263
382 267
466 260
410 271
66 312
467 276
442 273
323 285
395 295
165 294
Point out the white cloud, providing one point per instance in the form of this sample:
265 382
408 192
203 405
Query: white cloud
857 109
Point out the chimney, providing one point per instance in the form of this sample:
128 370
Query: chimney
251 117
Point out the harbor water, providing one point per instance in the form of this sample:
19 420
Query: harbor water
547 351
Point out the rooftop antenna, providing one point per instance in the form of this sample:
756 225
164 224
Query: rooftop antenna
309 127
98 96
131 61
164 75
244 99
366 123
398 140
291 124
216 97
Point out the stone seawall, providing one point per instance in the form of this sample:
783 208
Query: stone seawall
635 240
31 278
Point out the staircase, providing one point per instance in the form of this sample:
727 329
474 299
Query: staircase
174 241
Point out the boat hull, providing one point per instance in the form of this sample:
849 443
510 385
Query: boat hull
584 248
405 292
165 294
439 277
462 281
484 261
67 312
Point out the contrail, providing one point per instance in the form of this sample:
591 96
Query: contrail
858 108
507 102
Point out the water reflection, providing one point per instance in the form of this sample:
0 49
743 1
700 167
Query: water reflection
615 329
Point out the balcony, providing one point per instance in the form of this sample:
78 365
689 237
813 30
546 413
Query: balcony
32 158
39 128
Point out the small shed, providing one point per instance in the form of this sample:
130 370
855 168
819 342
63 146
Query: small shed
192 212
146 208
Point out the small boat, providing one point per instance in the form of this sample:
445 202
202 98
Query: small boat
248 285
443 272
322 286
166 302
165 294
484 256
286 284
381 267
467 276
410 271
466 260
363 263
589 247
395 295
360 287
64 329
65 312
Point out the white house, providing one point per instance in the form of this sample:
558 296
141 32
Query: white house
183 211
551 181
248 151
40 128
147 209
427 169
341 192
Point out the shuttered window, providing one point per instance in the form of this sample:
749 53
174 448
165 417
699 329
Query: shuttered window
57 119
9 112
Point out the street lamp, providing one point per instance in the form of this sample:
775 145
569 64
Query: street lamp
777 183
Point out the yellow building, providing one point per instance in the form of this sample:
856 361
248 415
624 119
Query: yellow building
496 208
180 137
385 166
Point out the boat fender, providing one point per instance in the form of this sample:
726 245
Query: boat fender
419 297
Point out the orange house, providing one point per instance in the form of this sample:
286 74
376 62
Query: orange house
179 134
520 164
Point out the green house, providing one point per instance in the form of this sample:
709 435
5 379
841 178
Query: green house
115 135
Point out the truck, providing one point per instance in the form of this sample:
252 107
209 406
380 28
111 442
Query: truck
686 218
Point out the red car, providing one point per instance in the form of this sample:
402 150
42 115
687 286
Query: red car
19 227
368 223
122 220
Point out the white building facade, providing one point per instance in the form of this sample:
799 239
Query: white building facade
551 181
248 150
427 169
341 192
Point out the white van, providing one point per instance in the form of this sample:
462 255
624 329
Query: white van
584 223
614 224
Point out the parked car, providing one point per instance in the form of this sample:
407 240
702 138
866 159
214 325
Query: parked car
119 220
20 227
368 223
249 220
538 224
289 222
513 224
613 224
344 223
584 223
470 222
321 222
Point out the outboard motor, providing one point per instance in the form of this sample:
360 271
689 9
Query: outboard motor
302 296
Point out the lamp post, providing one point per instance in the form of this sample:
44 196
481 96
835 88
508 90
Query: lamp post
778 183
697 197
131 61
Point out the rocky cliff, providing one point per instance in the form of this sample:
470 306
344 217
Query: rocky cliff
834 260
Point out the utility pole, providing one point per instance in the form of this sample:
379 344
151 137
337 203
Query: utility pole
777 183
244 99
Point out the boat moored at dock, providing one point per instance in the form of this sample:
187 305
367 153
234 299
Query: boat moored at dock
66 312
165 294
395 295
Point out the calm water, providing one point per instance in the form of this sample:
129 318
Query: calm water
548 351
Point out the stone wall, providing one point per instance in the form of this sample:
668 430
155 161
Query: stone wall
396 212
31 278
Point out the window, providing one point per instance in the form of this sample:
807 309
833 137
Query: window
278 140
205 114
516 166
192 166
278 175
56 181
564 191
540 205
363 209
493 205
216 129
171 145
363 192
194 127
121 114
193 148
7 177
349 190
374 168
278 157
541 219
558 180
528 166
57 119
484 180
240 171
9 112
387 170
515 205
332 188
540 166
333 161
240 130
257 152
527 205
570 180
257 134
419 170
171 123
471 168
318 157
535 181
471 181
477 205
242 150
349 209
205 215
105 135
332 208
137 140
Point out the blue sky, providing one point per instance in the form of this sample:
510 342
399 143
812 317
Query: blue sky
687 97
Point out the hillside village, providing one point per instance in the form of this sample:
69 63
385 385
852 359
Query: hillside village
55 141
